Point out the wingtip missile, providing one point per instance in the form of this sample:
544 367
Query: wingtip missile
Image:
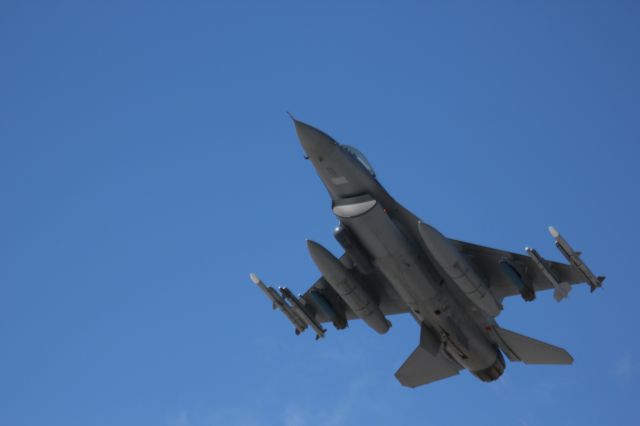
573 257
257 281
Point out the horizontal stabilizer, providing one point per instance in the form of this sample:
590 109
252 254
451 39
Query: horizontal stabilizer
422 368
531 351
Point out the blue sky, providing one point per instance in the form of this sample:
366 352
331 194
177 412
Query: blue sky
147 166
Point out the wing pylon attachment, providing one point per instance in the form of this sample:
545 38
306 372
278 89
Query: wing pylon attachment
291 306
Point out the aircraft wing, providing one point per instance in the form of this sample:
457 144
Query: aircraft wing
506 273
487 260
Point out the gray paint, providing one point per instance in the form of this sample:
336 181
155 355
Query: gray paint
395 263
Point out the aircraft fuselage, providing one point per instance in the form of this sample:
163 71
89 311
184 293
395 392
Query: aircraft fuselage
390 235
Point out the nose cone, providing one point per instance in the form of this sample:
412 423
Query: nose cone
318 253
315 142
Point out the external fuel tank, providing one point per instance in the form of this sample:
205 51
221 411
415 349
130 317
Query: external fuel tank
348 287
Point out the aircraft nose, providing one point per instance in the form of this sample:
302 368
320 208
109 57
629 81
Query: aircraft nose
314 142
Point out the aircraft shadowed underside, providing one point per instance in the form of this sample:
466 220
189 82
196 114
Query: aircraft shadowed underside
395 263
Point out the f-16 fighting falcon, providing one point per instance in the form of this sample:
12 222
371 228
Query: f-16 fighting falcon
395 263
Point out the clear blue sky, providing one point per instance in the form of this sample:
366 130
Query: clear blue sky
147 166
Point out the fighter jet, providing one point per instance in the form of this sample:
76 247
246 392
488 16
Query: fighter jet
395 263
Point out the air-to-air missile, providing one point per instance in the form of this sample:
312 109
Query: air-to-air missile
574 259
294 313
563 288
297 307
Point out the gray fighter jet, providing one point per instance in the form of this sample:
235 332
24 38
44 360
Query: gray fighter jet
395 263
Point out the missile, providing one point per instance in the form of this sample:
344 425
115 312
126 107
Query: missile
279 303
573 257
299 310
562 289
348 287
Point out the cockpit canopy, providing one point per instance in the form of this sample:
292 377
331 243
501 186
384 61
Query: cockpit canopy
355 153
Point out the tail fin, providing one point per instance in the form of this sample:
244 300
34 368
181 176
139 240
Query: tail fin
530 351
427 363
